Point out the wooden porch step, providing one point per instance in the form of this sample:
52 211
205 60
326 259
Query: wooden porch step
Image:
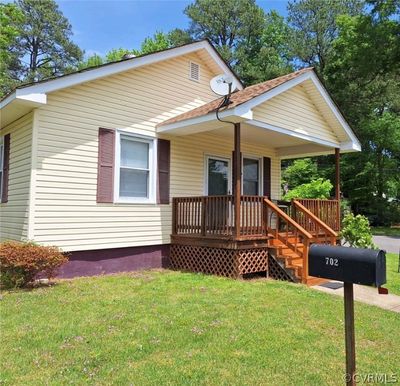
290 256
285 249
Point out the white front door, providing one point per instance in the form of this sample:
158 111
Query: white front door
218 176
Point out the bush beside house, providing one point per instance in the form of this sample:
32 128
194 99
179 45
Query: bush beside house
22 263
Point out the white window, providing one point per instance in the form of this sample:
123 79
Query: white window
194 71
1 165
135 169
251 174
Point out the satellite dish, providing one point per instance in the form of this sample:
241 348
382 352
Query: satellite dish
220 84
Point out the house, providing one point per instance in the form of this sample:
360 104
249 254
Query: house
127 166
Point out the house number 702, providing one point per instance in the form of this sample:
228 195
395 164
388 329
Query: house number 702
332 261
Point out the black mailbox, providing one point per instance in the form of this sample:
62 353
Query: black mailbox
350 265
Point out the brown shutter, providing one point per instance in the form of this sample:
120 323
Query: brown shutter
267 176
163 167
105 172
6 168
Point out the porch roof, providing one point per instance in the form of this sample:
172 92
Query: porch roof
245 107
237 98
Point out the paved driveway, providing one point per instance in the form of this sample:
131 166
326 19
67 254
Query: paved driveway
390 244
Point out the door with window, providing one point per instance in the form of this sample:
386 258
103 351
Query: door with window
218 177
218 180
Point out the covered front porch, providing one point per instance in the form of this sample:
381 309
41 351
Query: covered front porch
239 225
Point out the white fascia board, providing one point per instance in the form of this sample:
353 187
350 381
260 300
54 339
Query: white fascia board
8 100
291 133
32 99
114 68
309 150
350 146
335 111
301 151
235 115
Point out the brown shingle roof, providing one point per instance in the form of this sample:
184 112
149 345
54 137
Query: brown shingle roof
238 97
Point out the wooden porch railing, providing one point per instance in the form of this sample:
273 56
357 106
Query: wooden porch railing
327 211
290 233
322 233
214 216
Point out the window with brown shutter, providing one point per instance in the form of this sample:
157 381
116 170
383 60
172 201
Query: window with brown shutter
267 176
163 161
4 167
105 173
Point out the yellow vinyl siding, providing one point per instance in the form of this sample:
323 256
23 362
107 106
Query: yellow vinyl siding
66 212
69 216
294 110
188 161
14 213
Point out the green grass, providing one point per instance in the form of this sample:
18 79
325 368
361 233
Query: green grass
385 231
170 328
392 276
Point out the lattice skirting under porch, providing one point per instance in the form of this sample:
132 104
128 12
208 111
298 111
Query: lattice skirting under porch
275 271
219 261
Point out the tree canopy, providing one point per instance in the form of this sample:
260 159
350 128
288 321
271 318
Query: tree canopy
10 17
354 46
44 42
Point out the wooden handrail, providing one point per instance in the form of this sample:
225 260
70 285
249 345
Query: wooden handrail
326 210
286 238
314 218
288 219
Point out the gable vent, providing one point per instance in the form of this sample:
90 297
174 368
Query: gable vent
194 71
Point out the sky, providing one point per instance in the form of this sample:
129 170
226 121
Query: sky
101 25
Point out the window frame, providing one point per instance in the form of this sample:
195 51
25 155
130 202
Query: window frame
151 198
1 166
260 172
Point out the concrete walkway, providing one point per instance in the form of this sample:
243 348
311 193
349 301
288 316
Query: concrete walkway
363 294
390 244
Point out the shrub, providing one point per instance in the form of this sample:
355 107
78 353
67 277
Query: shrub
319 188
301 171
21 263
356 231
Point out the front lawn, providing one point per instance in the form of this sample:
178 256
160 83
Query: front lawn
170 328
392 274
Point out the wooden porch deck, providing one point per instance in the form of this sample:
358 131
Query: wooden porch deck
211 235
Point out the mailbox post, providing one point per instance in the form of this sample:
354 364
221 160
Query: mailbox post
349 265
350 337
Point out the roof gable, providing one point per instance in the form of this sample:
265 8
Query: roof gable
238 97
107 69
243 102
294 110
27 97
